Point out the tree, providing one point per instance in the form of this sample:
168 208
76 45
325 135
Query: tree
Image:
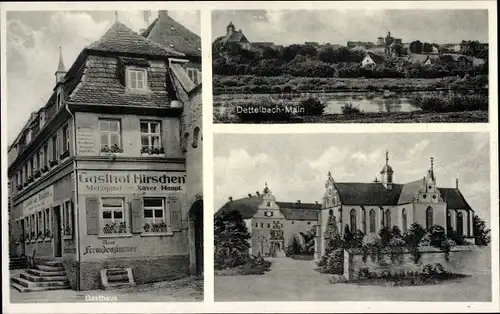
416 46
293 247
385 236
231 240
415 234
427 48
481 233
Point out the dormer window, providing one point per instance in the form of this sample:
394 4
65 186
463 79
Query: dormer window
136 78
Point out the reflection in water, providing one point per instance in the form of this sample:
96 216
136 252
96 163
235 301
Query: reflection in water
367 102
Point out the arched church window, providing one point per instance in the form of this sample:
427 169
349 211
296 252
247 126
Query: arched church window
449 227
460 224
429 217
353 221
363 218
404 219
388 222
372 221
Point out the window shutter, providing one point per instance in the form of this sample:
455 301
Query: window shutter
92 211
175 213
136 219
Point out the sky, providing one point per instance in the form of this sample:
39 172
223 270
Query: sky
337 27
295 166
33 40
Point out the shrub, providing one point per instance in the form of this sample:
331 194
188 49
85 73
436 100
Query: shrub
312 106
349 108
334 262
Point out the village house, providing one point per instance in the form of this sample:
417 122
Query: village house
107 174
369 207
371 59
273 224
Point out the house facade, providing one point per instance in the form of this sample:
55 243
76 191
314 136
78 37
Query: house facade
273 224
369 207
107 173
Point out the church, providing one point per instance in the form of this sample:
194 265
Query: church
273 224
369 207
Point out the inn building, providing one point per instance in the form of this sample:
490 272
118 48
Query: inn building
107 173
371 206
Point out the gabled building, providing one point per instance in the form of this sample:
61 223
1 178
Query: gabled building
107 173
371 206
232 37
273 224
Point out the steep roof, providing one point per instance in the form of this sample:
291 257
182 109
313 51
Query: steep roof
121 39
102 86
454 199
409 191
170 34
368 193
235 37
248 207
300 213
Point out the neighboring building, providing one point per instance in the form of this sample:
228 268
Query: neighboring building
424 59
273 224
364 44
170 34
367 61
470 47
101 176
371 206
232 37
371 59
392 45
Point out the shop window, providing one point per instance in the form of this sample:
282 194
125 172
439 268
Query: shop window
154 215
68 215
113 218
110 136
136 79
151 137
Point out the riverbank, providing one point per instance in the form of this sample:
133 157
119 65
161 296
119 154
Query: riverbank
477 116
248 84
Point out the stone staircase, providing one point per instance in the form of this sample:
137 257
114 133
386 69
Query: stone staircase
17 263
48 275
116 278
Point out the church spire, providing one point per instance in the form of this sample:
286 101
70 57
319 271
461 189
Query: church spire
431 170
387 172
61 69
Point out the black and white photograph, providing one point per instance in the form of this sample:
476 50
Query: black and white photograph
350 66
352 217
105 195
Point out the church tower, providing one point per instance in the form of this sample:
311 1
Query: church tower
61 69
230 29
60 74
386 175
